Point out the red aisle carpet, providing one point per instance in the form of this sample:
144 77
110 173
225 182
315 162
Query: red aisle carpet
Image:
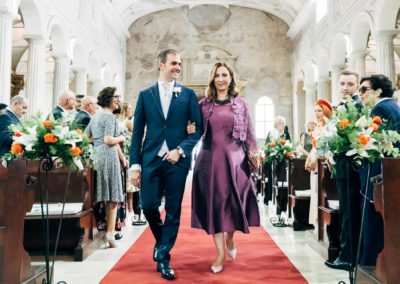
259 260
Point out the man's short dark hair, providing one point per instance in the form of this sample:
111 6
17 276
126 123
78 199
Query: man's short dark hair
380 81
162 56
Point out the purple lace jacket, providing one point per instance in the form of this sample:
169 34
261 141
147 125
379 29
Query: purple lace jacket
243 130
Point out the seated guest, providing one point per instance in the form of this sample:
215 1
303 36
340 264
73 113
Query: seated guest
66 102
12 115
87 110
386 108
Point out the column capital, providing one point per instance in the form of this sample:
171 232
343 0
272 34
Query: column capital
385 35
36 39
323 79
358 54
60 55
337 68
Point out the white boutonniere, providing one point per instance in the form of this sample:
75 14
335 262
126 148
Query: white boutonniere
177 91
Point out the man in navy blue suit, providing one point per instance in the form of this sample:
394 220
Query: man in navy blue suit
12 115
161 162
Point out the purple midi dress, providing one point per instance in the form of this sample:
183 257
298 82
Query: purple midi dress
223 193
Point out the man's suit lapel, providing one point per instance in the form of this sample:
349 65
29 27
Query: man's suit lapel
13 117
173 100
156 96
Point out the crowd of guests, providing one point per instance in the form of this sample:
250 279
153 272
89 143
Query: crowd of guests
168 123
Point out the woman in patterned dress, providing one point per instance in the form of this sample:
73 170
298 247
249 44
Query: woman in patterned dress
103 129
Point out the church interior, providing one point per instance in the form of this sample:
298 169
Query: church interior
286 55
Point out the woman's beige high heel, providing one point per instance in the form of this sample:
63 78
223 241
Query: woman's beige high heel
232 253
217 268
108 239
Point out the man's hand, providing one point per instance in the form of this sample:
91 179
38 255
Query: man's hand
172 156
135 178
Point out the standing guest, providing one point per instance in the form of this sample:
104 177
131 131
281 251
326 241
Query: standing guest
286 132
305 138
348 187
11 115
273 134
224 199
103 129
323 111
385 107
78 101
66 102
87 111
161 162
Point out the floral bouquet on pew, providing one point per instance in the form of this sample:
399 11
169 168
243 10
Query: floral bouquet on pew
38 137
279 150
353 133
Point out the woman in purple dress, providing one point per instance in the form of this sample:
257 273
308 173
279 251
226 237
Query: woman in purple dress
224 198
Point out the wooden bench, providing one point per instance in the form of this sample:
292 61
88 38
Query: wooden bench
386 202
15 263
78 236
328 218
299 181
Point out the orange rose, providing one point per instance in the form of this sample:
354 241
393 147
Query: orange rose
79 131
314 142
283 141
374 126
288 154
47 123
17 133
344 123
377 120
363 139
273 143
50 138
16 149
76 151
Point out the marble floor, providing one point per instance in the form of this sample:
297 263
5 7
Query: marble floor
293 244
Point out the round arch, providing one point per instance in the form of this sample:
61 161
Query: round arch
57 36
33 18
79 55
386 14
360 30
94 67
339 50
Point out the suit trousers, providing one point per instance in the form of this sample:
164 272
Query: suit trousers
163 178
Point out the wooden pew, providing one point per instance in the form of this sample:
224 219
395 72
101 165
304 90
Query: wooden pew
78 236
299 180
15 263
386 202
328 218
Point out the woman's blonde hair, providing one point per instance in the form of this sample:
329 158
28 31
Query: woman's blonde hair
211 91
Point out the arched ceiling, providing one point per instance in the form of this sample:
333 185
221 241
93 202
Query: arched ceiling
131 10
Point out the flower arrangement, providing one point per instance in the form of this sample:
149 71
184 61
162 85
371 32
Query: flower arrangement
279 150
37 138
354 133
176 91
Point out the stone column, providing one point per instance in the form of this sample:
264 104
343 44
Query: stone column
80 81
335 83
96 87
323 88
385 53
358 62
5 57
310 99
35 77
61 75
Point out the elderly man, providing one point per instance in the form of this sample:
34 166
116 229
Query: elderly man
12 115
66 102
87 110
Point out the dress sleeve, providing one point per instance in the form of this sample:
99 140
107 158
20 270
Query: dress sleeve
110 125
251 142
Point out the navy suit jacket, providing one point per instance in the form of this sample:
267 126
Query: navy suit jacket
149 114
82 119
388 109
57 112
7 118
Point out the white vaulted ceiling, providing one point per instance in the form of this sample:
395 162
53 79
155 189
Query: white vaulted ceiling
131 10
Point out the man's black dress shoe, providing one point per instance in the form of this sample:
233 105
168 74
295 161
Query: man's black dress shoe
166 271
118 236
338 264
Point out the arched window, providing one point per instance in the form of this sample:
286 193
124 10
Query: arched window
265 112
